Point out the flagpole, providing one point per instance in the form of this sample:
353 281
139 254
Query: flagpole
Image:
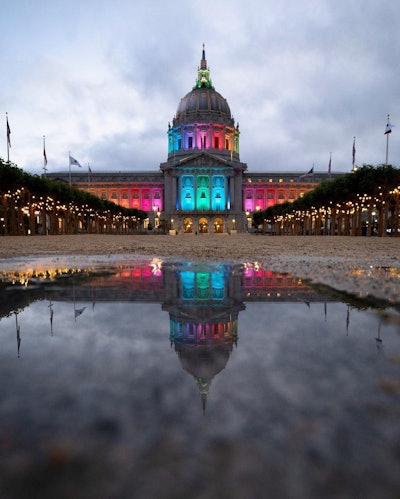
44 157
69 162
387 142
330 164
8 138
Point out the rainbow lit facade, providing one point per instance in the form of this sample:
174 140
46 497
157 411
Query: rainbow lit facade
202 187
203 136
203 174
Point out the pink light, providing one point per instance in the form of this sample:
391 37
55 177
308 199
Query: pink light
249 205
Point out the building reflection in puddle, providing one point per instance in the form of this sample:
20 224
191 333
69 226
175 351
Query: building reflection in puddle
203 306
144 370
203 302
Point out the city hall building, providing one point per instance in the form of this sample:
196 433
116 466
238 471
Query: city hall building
203 186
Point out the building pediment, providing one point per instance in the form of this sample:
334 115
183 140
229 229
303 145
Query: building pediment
202 159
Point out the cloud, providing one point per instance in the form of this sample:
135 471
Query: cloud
302 79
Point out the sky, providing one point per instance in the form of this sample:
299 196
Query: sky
101 80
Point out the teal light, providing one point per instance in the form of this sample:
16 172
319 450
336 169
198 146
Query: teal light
187 193
218 193
203 285
218 285
203 192
188 283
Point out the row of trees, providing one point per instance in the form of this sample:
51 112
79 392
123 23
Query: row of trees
363 202
31 204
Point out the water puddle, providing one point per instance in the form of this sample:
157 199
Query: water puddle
154 361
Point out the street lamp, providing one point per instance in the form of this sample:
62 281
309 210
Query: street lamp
157 224
248 220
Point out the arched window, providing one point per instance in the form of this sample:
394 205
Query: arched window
187 192
203 225
218 193
218 225
203 192
187 225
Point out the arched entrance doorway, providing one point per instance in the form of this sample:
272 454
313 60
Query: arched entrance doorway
218 225
187 225
203 225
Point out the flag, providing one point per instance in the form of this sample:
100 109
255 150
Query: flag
388 128
354 151
90 174
330 164
44 155
79 311
73 161
310 172
8 134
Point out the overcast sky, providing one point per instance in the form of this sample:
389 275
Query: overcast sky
102 79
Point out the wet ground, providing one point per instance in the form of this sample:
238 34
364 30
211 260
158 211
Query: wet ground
155 378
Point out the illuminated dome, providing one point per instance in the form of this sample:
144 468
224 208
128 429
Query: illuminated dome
203 124
203 103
